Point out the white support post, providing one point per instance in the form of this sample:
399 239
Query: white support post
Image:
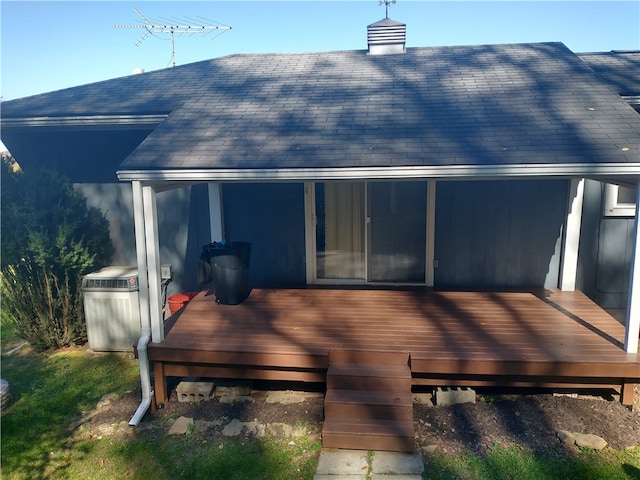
431 233
216 218
569 266
633 305
141 255
153 263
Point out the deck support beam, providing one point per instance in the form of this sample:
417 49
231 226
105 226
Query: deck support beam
633 305
569 266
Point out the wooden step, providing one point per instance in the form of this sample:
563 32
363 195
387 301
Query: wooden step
357 434
369 377
364 404
369 357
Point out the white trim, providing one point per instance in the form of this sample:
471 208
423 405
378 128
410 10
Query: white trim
84 121
612 207
141 254
431 233
633 306
310 232
153 263
571 240
216 215
459 172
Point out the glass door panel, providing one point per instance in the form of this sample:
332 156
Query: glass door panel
340 233
397 231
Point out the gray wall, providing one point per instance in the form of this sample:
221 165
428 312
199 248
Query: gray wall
183 227
606 245
271 217
499 233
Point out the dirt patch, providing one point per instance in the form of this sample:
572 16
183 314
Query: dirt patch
528 420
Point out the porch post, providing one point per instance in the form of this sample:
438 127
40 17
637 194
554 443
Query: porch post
569 265
633 305
215 212
431 233
153 263
141 255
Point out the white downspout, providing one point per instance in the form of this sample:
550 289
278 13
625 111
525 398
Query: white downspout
145 317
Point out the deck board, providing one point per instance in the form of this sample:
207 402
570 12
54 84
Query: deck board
547 333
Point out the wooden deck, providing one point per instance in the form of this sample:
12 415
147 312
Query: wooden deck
467 338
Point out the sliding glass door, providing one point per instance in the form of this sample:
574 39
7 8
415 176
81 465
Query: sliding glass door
372 232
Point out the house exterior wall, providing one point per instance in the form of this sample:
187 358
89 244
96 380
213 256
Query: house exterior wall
183 227
499 233
606 247
271 217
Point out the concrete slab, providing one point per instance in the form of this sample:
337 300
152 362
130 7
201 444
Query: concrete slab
396 477
340 477
396 463
343 462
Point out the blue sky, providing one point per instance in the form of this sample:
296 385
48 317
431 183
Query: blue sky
52 45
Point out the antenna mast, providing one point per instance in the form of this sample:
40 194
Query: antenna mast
152 28
386 4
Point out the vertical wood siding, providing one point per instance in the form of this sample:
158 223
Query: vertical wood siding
499 233
271 217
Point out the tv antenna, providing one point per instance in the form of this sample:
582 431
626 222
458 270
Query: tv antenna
386 4
153 28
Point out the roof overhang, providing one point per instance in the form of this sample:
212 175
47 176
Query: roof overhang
627 172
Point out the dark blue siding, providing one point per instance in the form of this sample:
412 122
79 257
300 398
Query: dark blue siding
271 217
499 233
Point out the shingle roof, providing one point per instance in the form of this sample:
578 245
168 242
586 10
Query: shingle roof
620 69
523 104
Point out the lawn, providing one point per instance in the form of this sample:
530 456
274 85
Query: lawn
51 392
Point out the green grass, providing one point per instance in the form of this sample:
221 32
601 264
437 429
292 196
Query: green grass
52 392
516 463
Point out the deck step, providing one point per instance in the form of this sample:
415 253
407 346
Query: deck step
368 377
358 434
369 405
364 404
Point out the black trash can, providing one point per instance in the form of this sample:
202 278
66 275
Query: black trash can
227 265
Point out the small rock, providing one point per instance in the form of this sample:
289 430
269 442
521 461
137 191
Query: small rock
233 390
566 437
233 428
235 399
108 399
181 426
589 440
429 449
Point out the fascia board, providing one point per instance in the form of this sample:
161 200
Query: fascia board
630 171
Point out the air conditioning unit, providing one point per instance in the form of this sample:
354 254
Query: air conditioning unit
111 308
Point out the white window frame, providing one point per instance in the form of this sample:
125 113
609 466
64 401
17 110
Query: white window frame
612 207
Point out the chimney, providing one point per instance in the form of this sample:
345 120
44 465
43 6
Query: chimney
386 37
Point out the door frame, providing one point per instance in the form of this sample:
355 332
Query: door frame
310 240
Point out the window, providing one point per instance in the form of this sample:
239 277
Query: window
619 201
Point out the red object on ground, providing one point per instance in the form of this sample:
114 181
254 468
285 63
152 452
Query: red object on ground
179 300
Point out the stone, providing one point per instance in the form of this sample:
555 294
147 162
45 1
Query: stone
181 426
239 390
343 462
423 398
108 399
429 449
235 399
194 392
566 437
454 395
397 463
287 397
589 440
233 428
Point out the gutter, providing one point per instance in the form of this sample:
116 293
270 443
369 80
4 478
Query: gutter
145 379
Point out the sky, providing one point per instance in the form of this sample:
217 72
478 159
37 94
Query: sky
49 45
